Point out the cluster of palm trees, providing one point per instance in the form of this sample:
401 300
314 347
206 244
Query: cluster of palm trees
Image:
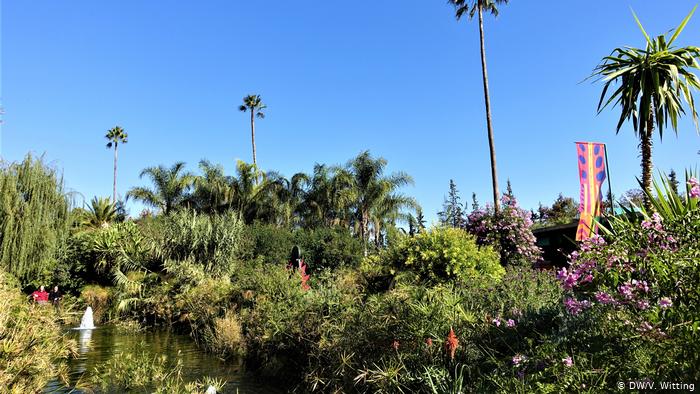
359 195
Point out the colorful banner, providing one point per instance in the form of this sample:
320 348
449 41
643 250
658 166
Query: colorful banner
592 173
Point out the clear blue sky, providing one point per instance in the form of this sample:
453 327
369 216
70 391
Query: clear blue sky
338 78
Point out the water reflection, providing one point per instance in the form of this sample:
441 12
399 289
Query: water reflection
97 346
85 340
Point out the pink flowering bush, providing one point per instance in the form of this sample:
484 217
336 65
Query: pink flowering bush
630 309
509 232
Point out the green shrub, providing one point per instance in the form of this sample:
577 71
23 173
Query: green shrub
268 243
321 248
213 240
444 254
329 248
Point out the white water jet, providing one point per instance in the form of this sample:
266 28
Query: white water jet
86 322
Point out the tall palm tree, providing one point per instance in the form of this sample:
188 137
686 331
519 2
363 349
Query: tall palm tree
253 104
471 8
115 136
171 187
372 189
649 85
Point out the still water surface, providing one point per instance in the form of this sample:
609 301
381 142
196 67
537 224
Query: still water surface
98 345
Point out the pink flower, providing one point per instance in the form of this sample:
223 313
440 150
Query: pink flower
510 323
497 322
395 345
643 305
518 359
568 362
665 303
604 298
695 192
574 306
694 188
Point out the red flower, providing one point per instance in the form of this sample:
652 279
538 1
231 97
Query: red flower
304 276
451 343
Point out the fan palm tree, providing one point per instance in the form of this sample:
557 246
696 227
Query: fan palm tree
171 187
253 104
115 136
649 85
471 8
372 189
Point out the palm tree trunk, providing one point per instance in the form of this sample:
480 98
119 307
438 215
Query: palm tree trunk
114 184
487 100
645 146
252 133
364 227
252 138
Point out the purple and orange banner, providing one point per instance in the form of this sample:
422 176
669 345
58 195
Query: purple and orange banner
592 173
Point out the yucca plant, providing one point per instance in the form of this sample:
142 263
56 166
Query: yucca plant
663 200
649 86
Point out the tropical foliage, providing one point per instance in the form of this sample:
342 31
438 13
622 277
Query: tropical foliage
649 85
171 187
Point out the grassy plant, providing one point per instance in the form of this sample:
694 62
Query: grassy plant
226 336
97 297
32 348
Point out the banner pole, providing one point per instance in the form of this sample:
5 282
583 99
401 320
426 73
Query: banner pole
607 168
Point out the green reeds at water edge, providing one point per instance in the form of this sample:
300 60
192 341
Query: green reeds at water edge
32 348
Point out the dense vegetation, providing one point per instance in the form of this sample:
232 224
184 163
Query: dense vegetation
313 281
441 309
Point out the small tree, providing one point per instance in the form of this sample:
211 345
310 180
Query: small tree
452 213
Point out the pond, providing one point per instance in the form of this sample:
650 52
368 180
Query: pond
98 345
